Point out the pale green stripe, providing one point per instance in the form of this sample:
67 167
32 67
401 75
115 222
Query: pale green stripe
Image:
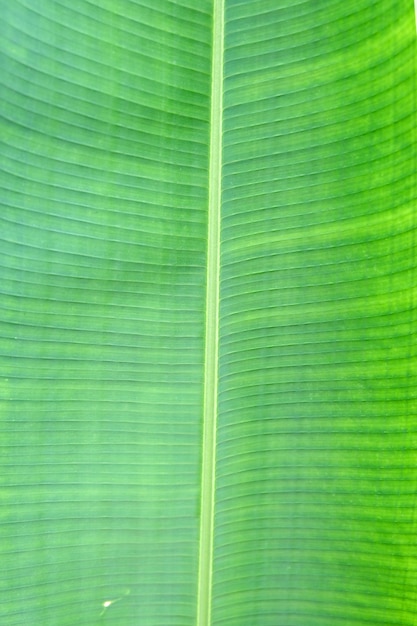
212 325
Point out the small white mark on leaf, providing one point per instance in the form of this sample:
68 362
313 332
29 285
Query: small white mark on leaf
108 603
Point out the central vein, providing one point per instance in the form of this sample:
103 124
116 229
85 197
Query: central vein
212 326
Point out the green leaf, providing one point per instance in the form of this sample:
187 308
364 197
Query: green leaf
207 313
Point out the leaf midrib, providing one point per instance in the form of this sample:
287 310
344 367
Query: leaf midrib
212 325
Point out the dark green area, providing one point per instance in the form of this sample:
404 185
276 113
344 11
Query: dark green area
316 481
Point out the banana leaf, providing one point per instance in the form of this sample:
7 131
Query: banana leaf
208 270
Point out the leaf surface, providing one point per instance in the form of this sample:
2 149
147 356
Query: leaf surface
208 313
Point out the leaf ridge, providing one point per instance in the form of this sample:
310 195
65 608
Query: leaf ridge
212 324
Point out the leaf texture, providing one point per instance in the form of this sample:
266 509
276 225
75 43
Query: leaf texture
109 165
105 126
316 479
